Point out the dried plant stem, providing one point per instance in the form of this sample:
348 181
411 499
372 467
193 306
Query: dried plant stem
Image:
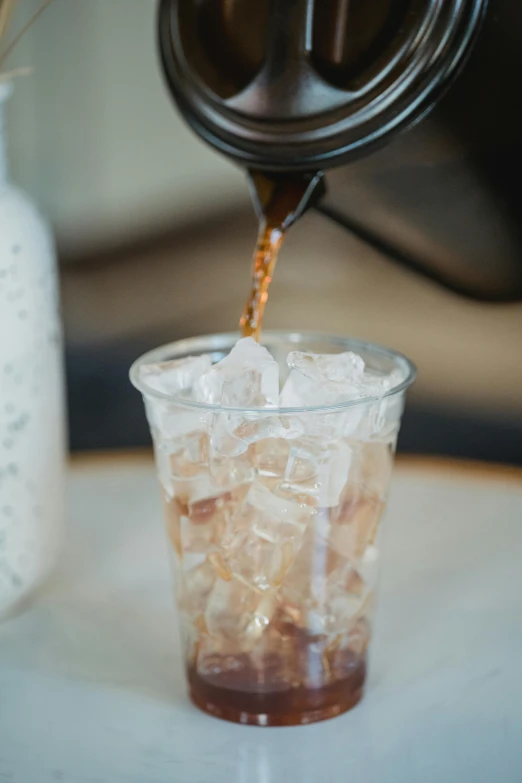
7 51
6 10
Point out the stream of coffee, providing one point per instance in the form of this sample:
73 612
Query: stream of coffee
280 202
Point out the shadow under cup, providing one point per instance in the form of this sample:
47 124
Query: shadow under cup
273 520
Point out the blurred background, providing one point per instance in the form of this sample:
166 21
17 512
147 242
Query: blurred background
155 232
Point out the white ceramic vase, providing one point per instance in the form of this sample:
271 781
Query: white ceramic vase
32 442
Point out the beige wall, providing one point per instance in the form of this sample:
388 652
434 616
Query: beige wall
94 135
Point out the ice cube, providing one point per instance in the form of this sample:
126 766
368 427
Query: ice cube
296 391
194 474
202 536
374 470
346 653
229 608
261 617
317 380
342 368
219 566
252 430
368 566
322 379
274 512
370 471
338 377
223 439
162 459
230 471
187 466
173 514
192 490
354 525
195 583
263 662
318 471
270 457
169 421
302 392
233 433
182 472
346 598
322 592
264 537
382 422
174 376
358 637
381 418
248 376
205 522
307 577
188 455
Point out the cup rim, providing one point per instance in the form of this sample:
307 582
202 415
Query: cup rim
218 342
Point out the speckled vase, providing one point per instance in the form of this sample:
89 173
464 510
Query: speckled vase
32 442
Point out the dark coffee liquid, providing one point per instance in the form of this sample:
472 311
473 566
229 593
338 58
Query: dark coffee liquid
250 696
279 201
289 677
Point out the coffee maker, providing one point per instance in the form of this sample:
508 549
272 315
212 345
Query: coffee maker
408 106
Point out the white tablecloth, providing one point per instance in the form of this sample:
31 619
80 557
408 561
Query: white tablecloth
91 687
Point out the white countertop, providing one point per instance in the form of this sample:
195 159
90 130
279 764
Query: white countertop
91 687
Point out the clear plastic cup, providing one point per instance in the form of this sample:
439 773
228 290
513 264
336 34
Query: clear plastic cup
274 525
